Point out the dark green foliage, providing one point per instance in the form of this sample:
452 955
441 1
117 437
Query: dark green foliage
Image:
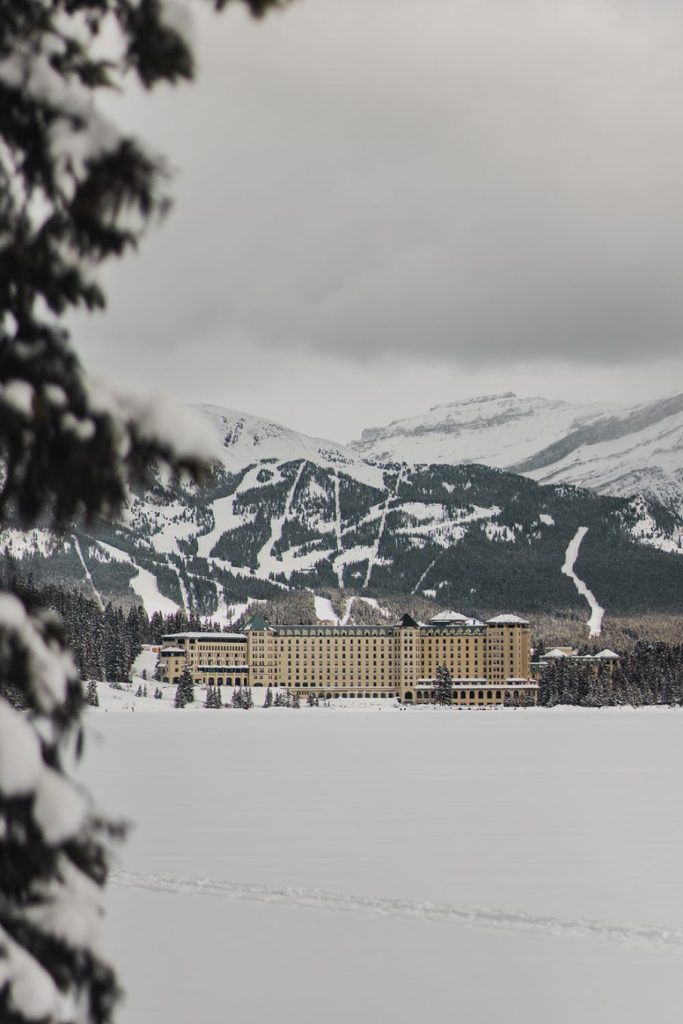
186 684
651 673
242 545
213 698
91 696
242 698
443 691
268 701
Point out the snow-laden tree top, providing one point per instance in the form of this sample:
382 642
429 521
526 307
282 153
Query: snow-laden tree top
75 189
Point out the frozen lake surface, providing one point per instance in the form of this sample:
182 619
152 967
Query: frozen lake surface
373 864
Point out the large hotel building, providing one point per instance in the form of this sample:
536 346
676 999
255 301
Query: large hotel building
488 661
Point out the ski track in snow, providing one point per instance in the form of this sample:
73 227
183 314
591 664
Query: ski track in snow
571 554
375 551
338 531
183 591
86 570
644 936
423 577
144 583
266 561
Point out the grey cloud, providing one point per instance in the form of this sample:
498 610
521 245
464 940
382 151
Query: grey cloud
470 180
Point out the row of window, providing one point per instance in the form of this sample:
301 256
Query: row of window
476 695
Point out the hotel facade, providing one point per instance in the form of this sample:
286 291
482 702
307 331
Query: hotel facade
489 662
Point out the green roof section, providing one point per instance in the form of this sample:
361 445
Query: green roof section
257 622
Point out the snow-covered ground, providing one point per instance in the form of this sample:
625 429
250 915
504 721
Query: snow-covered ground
370 864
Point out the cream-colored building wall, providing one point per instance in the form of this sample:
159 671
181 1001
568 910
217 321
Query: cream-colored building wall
507 653
332 660
464 655
398 661
208 658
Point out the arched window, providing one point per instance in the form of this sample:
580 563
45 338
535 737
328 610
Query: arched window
408 695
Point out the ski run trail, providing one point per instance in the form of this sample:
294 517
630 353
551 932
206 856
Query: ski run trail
651 937
267 562
380 533
86 570
423 577
339 569
571 554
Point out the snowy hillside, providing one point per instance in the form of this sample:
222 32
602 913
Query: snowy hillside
468 537
248 439
610 448
284 512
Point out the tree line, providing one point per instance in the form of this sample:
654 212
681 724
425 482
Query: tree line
105 641
651 673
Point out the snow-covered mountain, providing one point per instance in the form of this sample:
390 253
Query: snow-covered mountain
284 512
248 439
613 449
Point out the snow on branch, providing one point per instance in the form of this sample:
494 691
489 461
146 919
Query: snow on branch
53 848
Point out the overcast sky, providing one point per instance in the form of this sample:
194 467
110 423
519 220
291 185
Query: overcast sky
381 205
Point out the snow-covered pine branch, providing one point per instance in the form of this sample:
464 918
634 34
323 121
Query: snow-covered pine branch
75 190
53 847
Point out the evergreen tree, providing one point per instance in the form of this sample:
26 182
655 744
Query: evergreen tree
213 698
179 700
294 699
443 691
158 693
74 191
236 700
186 684
247 699
268 702
91 696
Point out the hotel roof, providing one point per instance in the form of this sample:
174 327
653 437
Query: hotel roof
506 620
204 636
